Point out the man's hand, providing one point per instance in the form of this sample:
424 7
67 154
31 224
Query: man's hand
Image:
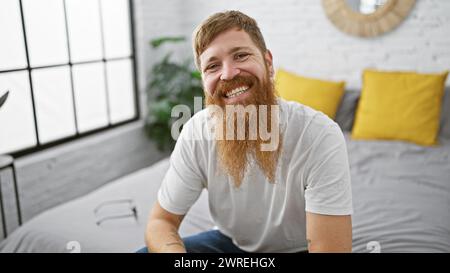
328 233
162 231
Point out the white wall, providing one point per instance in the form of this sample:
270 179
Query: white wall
302 39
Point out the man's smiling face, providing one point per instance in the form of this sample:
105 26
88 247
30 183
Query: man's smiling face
237 71
231 67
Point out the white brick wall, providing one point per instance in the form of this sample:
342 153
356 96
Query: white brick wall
302 39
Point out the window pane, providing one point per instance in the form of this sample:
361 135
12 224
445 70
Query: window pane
16 115
120 90
90 96
12 48
54 106
83 18
116 28
46 33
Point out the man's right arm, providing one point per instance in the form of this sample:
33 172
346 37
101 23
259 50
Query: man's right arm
162 231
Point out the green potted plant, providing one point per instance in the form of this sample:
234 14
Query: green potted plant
171 83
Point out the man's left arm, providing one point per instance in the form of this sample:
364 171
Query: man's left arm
328 195
328 233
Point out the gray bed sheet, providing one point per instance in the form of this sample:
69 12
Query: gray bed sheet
401 196
401 199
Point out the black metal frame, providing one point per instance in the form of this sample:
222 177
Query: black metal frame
39 146
16 195
2 211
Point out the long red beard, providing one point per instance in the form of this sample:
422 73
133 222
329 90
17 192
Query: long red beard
236 154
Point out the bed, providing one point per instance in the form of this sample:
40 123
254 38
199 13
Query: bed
401 199
104 220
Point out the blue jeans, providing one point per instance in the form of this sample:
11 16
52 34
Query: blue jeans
212 241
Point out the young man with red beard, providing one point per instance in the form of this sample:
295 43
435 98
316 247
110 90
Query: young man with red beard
294 197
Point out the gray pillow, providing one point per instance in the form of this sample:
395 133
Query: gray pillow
346 111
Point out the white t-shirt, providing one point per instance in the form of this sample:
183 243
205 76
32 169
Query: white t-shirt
312 175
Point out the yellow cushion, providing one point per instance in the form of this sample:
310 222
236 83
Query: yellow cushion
400 106
324 96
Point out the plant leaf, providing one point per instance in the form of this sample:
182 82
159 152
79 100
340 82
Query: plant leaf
3 98
155 43
196 74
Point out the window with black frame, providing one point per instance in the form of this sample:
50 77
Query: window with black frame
69 68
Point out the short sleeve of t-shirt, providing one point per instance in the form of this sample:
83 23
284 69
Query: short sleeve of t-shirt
184 181
328 186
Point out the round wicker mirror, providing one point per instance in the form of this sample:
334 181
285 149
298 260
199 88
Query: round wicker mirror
367 18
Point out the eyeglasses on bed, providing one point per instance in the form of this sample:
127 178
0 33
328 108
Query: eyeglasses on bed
127 208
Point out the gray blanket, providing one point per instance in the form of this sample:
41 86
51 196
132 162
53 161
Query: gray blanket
401 196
